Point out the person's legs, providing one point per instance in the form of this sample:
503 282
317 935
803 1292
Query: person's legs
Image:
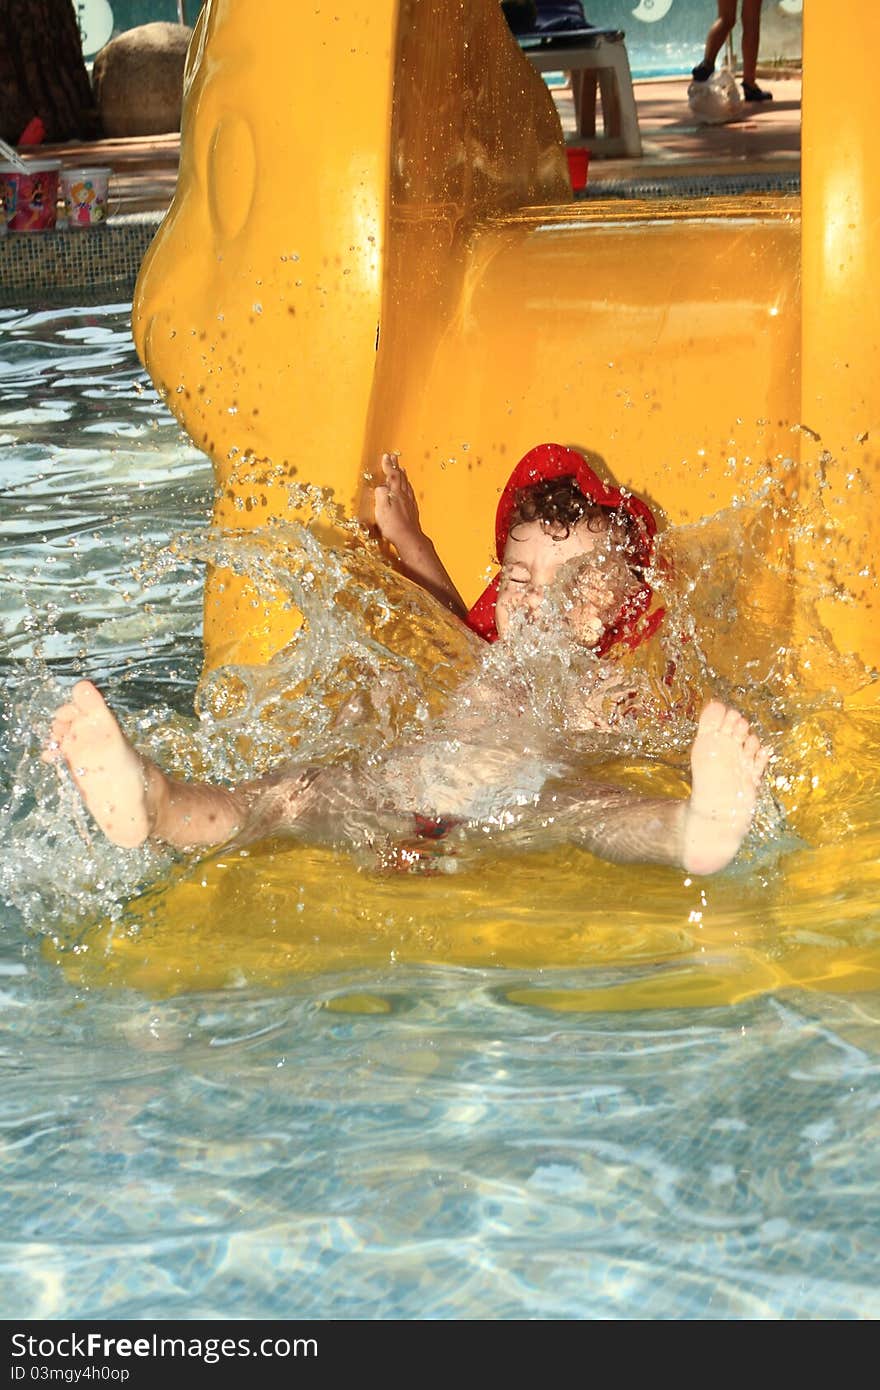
131 799
751 32
751 29
715 38
701 834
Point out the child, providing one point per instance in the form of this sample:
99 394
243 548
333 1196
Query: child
549 525
552 511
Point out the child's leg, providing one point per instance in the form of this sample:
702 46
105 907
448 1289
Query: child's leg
130 797
133 800
701 834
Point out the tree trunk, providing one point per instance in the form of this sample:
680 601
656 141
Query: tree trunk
42 72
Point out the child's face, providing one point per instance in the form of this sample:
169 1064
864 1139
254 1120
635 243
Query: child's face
593 590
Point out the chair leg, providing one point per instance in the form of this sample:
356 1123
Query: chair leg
609 89
583 89
626 113
608 78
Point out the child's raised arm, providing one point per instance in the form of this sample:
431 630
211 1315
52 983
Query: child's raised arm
397 517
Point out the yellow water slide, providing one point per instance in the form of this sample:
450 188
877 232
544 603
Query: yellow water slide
373 246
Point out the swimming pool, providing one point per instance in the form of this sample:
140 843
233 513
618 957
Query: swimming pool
664 37
197 1125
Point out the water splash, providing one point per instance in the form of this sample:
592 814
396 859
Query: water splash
376 667
379 679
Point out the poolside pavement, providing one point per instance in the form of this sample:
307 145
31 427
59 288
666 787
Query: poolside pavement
695 159
766 141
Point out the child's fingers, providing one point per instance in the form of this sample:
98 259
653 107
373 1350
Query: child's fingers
400 486
383 508
396 477
394 502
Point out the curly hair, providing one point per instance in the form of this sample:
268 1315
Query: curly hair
560 503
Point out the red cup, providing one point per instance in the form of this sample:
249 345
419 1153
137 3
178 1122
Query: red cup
578 163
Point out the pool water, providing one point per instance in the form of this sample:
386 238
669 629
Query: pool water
285 1086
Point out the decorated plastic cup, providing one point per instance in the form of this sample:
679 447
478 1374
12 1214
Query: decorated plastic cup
30 197
85 196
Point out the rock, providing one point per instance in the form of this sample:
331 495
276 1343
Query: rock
138 80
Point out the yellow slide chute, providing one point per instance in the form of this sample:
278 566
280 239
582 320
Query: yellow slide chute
393 171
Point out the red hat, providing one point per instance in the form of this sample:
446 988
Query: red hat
548 461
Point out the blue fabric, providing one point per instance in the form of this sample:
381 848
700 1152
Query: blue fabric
554 15
544 16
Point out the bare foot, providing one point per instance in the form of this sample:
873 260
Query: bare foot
107 771
727 764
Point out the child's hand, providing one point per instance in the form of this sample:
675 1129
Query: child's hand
594 595
396 513
396 509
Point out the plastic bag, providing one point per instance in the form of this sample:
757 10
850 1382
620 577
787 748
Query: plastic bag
717 100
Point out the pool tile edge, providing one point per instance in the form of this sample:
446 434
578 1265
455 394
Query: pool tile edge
38 266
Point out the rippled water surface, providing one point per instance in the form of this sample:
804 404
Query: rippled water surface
286 1085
